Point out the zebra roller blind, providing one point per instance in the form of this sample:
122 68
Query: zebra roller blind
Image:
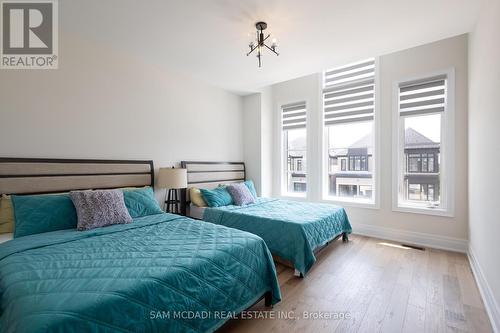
349 93
294 116
423 96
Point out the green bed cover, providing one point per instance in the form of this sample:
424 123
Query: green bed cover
291 229
161 273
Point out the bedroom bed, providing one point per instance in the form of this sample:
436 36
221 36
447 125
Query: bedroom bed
292 230
160 273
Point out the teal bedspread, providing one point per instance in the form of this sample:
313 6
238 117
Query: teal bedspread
161 273
291 229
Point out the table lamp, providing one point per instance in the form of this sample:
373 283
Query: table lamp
172 179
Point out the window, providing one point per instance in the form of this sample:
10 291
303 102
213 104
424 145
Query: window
423 120
422 162
348 113
294 119
358 163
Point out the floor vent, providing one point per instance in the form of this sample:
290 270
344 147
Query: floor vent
414 247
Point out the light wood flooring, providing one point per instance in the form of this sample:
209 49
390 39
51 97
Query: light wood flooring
382 287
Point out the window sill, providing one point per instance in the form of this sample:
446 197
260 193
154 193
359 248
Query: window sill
343 203
351 203
293 196
423 210
334 201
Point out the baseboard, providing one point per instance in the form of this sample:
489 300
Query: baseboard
412 237
490 303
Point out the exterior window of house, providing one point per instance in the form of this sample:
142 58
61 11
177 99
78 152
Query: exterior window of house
349 105
422 162
422 120
294 120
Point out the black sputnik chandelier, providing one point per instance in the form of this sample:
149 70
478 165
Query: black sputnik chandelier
260 43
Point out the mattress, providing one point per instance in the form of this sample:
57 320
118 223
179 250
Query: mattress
291 229
133 277
6 237
196 212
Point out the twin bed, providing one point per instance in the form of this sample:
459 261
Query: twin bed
292 230
160 273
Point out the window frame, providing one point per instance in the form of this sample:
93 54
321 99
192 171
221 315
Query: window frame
447 150
374 203
283 171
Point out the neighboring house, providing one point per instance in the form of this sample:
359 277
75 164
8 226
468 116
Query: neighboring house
296 166
350 169
422 167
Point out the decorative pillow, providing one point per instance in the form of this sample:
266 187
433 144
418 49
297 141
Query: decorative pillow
35 214
217 197
251 187
240 194
99 208
6 214
141 202
196 197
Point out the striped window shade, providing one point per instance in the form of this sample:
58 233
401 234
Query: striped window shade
423 96
349 93
294 116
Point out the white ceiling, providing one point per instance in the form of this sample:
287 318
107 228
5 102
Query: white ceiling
208 39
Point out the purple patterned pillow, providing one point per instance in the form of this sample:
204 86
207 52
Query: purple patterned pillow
100 208
241 194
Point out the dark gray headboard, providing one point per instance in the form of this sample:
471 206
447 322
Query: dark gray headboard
42 175
203 174
210 174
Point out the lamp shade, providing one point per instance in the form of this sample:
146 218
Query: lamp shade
172 178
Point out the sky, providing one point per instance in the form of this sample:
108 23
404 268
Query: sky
297 139
344 135
428 125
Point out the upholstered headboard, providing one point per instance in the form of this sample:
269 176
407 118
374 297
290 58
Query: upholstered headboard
38 175
210 174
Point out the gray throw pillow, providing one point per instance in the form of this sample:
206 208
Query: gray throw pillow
100 208
241 194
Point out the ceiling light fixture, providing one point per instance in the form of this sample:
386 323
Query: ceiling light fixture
259 44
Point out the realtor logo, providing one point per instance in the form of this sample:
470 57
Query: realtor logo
29 34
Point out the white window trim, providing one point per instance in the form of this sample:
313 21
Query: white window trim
348 202
283 193
447 151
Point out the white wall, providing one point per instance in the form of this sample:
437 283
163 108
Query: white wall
258 140
413 62
417 228
252 135
267 137
102 103
484 154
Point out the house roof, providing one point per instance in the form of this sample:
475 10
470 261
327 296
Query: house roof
415 139
295 154
364 142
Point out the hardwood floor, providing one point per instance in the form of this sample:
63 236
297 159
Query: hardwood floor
379 287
